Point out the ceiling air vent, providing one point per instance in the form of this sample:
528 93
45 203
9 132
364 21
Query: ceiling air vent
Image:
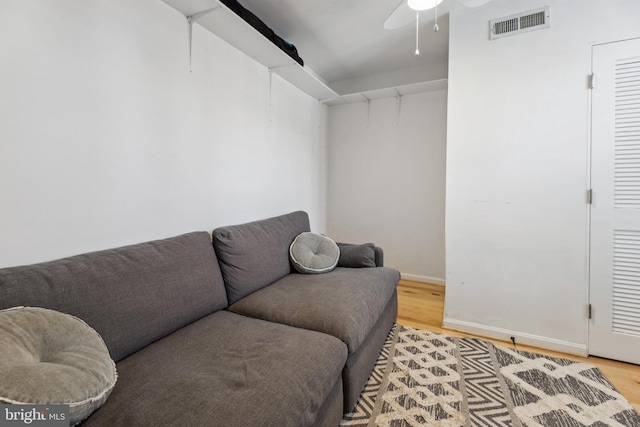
520 23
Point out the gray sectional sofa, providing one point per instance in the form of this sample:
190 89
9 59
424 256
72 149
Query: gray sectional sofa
224 334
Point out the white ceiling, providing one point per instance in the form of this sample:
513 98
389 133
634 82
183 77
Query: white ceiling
345 39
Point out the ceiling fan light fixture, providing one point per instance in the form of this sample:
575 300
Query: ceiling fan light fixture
420 5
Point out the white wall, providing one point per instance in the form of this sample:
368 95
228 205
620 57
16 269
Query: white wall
517 169
106 138
386 180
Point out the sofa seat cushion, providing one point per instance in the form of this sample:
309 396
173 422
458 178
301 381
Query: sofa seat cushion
345 303
226 370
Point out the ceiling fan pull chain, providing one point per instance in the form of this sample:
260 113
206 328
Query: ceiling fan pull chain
417 27
435 27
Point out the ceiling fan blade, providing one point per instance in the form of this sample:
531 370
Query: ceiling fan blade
401 16
473 3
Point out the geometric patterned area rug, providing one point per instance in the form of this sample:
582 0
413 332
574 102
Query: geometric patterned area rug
423 378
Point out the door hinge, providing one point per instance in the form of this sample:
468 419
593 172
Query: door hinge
589 311
592 81
589 196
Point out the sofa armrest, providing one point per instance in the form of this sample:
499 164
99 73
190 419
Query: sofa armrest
356 256
379 256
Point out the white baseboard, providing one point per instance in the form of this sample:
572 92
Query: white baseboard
425 279
521 338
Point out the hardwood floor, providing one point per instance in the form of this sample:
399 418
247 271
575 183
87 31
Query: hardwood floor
421 306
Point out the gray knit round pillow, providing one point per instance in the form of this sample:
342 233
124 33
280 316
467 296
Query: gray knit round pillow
48 357
313 253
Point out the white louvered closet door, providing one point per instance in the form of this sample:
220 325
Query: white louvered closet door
614 328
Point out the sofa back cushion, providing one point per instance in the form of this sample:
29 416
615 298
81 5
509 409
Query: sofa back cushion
132 296
256 254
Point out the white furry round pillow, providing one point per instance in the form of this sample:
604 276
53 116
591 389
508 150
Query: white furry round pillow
313 253
48 357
